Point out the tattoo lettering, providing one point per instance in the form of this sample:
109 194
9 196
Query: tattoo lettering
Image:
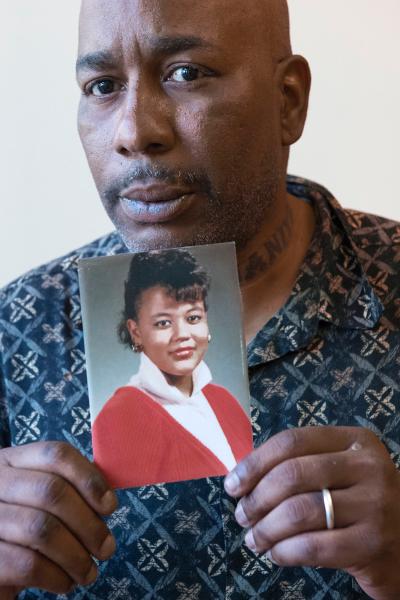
269 252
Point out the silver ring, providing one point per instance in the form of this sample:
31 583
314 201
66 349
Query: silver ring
329 512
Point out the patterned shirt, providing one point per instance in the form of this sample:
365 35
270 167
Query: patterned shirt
329 356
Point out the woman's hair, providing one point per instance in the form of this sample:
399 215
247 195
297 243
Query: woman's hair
177 271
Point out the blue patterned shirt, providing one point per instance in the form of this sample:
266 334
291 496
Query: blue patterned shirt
329 356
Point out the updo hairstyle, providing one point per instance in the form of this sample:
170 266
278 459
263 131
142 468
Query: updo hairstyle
177 271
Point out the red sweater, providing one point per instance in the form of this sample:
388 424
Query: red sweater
137 442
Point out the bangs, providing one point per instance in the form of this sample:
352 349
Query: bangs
190 293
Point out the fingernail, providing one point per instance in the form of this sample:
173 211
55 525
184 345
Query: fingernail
268 556
241 516
91 576
232 483
109 501
107 549
249 540
356 446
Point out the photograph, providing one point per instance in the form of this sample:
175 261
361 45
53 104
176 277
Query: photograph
180 407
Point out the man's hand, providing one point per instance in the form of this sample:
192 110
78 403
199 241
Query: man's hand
281 503
50 501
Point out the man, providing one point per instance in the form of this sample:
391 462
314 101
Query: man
187 114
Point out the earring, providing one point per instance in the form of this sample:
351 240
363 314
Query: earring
209 337
137 348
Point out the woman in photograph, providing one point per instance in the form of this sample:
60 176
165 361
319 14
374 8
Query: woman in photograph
169 423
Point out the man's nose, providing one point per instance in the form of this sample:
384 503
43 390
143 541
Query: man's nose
144 125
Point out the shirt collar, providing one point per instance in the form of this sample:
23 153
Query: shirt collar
331 286
151 379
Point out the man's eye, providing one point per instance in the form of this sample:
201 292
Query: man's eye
185 74
103 87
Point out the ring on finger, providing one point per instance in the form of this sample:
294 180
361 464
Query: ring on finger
329 511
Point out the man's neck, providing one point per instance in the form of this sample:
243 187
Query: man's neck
269 264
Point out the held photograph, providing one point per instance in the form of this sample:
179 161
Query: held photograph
168 386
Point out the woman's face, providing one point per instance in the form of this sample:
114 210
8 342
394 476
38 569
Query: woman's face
174 335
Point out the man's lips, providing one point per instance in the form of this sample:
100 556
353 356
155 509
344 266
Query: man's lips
155 203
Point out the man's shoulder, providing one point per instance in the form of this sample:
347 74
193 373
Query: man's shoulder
359 247
366 229
52 284
58 273
376 241
372 230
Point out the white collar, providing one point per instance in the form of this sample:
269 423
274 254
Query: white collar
150 378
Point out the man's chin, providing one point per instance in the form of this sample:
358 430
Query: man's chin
141 236
151 236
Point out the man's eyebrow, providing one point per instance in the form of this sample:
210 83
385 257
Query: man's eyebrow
95 61
168 45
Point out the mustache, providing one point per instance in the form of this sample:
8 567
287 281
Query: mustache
175 177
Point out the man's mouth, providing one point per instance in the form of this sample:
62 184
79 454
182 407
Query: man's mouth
155 203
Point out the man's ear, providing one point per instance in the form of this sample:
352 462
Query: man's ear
294 81
134 332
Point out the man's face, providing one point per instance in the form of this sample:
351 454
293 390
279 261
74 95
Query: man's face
179 118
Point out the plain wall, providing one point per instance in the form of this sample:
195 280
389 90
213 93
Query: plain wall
49 204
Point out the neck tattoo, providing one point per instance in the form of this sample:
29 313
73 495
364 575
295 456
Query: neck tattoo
268 253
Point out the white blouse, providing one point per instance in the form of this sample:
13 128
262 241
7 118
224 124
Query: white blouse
194 413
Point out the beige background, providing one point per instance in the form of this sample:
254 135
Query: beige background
48 202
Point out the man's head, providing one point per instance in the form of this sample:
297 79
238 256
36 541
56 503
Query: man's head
187 113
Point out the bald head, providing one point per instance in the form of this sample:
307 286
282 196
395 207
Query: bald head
189 95
270 18
277 15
